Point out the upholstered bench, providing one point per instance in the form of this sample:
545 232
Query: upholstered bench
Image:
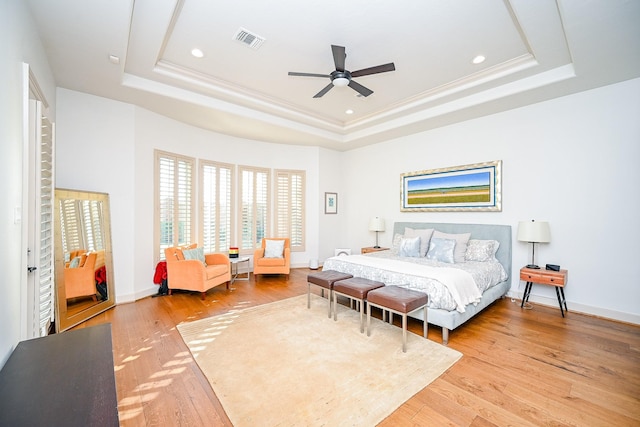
324 279
355 288
397 300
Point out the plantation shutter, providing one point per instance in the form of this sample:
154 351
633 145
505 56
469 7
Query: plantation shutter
216 184
174 201
45 267
290 188
254 207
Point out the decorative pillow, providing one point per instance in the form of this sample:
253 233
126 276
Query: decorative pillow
197 253
441 250
410 246
274 249
425 236
75 262
461 243
395 245
481 250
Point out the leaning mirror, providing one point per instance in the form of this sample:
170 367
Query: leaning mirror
83 258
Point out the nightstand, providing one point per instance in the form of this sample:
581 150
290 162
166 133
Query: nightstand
372 249
557 279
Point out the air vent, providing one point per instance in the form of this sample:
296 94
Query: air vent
252 40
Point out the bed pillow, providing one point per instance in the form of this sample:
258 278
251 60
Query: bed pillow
481 250
410 247
196 253
395 245
274 249
441 250
461 243
425 236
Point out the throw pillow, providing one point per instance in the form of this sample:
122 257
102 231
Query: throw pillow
461 243
410 247
274 249
441 250
75 262
197 253
425 236
395 245
481 250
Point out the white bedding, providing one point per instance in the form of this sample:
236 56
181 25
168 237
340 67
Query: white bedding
449 286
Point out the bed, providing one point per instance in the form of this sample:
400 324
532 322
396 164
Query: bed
452 297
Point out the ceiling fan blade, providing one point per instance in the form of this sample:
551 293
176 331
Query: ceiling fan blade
293 73
374 70
360 89
339 56
326 89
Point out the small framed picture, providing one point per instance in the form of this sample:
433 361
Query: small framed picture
331 203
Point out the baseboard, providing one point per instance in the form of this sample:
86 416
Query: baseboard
580 308
127 298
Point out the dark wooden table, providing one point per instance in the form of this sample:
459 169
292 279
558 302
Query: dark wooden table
64 379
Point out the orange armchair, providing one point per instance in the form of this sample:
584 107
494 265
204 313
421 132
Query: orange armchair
192 274
263 265
81 281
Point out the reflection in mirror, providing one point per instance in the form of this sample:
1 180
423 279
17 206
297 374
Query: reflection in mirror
84 271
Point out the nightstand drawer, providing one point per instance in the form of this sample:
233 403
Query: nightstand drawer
543 277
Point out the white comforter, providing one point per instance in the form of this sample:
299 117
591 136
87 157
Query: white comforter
449 286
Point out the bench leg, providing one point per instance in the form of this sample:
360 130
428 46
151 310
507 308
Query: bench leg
404 333
368 320
426 324
308 295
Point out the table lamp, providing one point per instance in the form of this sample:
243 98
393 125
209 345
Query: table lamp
376 224
534 232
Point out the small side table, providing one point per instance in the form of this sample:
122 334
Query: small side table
372 249
557 279
235 266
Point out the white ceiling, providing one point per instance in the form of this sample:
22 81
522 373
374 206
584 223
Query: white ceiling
535 50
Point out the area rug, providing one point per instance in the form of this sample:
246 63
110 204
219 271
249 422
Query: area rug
281 364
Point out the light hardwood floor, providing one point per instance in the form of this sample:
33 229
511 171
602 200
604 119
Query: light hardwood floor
520 367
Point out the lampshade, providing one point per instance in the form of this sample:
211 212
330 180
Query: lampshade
340 81
532 231
376 224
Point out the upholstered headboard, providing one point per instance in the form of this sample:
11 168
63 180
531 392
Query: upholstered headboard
501 233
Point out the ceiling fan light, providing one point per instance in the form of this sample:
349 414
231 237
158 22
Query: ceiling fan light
340 81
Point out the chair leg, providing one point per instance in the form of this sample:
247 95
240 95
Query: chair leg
203 295
170 291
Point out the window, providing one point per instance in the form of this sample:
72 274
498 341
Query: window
174 201
253 208
290 189
216 183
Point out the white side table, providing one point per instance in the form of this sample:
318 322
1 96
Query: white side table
235 266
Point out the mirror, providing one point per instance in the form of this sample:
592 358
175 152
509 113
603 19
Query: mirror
83 258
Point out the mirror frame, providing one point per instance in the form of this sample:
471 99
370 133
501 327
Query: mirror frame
63 320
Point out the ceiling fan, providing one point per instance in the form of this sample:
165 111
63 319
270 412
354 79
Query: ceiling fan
342 77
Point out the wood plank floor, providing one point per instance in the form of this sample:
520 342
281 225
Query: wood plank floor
520 367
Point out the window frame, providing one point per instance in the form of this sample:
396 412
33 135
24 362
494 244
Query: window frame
218 246
191 220
254 237
284 210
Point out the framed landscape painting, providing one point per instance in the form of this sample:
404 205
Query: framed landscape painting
475 187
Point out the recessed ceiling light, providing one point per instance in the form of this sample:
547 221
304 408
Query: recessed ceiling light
197 53
478 59
349 111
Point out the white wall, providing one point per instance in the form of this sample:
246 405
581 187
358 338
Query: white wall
572 161
566 161
20 44
108 146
